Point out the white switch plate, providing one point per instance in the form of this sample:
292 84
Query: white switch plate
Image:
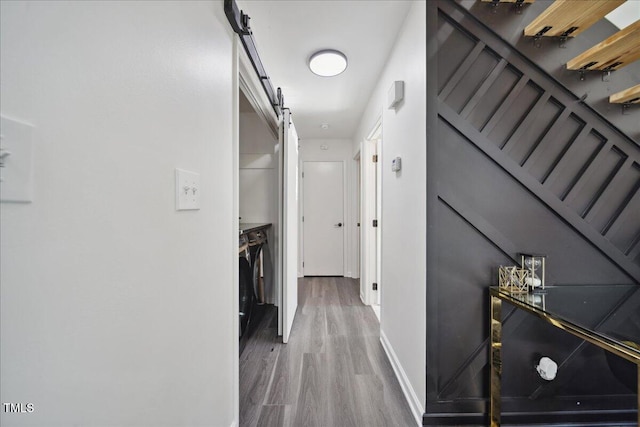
16 150
187 190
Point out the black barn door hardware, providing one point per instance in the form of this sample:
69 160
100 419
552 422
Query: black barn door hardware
239 22
564 36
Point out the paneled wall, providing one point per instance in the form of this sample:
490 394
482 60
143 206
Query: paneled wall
516 163
551 58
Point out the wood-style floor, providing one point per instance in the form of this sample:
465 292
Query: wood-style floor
332 373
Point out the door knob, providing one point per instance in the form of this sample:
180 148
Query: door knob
338 224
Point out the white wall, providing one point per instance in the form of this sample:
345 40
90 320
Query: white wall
258 171
404 231
337 150
115 308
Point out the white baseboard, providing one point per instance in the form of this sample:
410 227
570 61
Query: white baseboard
407 389
351 275
234 423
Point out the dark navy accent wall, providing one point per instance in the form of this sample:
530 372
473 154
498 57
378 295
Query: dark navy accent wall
515 163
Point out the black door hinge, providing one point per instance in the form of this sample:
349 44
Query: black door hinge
374 159
375 286
375 222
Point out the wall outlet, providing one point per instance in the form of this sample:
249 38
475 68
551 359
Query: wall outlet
187 190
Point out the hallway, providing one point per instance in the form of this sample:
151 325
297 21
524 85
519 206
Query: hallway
332 373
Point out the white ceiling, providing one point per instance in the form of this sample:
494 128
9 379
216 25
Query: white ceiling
288 32
625 14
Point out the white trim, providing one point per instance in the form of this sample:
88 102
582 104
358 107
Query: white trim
376 131
235 321
346 218
355 217
376 310
234 423
300 213
254 92
409 393
366 216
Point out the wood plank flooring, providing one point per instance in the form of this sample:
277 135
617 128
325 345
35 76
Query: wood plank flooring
332 373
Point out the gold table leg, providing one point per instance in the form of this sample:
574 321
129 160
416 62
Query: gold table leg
496 360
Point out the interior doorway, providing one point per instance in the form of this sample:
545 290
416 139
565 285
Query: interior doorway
257 219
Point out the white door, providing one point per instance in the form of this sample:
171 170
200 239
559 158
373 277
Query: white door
289 209
323 222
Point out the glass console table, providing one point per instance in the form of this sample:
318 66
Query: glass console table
568 308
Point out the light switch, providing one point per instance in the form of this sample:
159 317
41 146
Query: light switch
16 161
187 190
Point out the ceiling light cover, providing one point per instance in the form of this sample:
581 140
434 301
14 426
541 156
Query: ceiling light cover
328 63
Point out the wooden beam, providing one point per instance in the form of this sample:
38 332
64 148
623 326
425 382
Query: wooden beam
620 49
569 18
631 95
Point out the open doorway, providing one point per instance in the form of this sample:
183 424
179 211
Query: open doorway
258 223
257 165
265 186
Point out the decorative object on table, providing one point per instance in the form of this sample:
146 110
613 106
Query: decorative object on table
534 264
547 368
513 279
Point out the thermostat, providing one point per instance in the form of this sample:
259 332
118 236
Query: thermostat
396 164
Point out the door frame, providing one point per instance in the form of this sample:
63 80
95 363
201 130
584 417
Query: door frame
357 240
370 237
245 79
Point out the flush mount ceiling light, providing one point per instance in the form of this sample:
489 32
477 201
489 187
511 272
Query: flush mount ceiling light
328 63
